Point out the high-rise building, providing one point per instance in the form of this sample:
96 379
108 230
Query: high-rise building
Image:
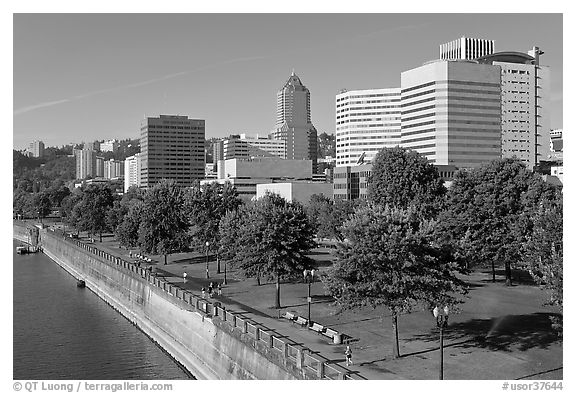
132 169
465 48
99 167
525 103
293 121
451 112
366 121
36 149
217 152
113 169
172 147
85 163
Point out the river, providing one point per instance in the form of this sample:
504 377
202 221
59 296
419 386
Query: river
65 332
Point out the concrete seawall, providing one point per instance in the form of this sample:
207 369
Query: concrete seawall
208 341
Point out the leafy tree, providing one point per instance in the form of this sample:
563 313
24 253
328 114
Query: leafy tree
41 204
71 214
127 231
164 225
273 239
328 215
391 259
22 203
121 207
205 206
92 209
484 213
543 251
402 178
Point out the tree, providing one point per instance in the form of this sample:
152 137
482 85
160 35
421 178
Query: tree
41 204
543 252
71 214
402 178
484 213
22 203
164 225
205 206
92 209
127 230
121 207
391 259
274 236
328 215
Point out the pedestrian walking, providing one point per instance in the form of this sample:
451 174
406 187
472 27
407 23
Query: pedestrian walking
185 275
203 293
348 353
219 289
210 290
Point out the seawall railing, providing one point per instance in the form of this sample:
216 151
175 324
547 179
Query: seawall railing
311 364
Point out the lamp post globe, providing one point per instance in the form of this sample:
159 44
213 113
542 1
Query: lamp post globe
441 315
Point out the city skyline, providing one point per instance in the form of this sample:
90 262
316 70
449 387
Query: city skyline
227 68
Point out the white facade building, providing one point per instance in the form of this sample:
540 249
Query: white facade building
295 191
366 121
36 149
465 48
132 170
109 145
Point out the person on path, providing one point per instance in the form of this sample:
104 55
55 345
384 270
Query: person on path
203 293
185 275
348 353
219 289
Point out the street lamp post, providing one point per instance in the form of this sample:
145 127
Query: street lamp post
309 277
207 274
441 315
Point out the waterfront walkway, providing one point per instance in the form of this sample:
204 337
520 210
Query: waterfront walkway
500 333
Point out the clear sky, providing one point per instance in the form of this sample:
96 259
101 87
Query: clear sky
81 77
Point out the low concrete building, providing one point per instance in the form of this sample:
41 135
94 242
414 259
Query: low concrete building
246 174
295 191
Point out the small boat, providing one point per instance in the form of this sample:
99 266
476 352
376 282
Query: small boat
81 284
21 250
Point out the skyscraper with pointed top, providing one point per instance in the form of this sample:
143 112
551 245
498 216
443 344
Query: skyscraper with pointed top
293 122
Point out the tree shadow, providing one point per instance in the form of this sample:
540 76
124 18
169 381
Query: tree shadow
507 333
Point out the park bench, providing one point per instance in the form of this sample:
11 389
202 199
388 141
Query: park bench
330 333
317 328
301 321
289 316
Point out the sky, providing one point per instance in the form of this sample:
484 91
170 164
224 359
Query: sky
81 77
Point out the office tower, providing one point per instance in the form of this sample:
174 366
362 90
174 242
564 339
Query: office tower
99 167
113 169
109 145
465 48
217 153
85 163
36 149
451 112
525 92
293 121
172 147
132 169
366 121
